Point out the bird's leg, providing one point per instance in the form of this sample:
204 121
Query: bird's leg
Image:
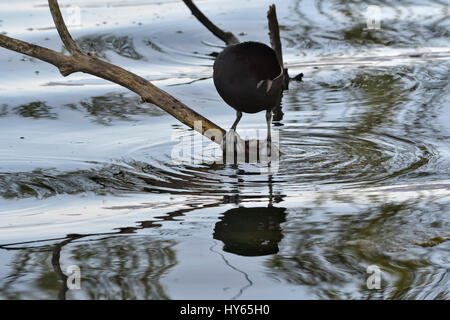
238 117
233 133
232 139
269 137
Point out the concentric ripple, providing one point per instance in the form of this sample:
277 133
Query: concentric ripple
330 158
311 158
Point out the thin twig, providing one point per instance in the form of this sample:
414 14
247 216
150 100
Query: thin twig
225 36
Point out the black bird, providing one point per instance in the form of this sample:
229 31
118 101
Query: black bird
250 79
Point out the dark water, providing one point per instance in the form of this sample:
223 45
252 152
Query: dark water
88 177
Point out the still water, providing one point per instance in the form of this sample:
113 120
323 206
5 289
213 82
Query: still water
88 178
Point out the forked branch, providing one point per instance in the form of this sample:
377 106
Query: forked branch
77 61
80 62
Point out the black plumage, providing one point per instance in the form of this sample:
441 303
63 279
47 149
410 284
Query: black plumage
249 78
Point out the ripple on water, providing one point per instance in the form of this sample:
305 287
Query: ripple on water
352 125
338 158
313 158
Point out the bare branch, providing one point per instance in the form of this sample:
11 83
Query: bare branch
275 41
79 62
274 33
226 37
64 34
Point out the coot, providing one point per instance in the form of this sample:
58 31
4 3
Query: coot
249 78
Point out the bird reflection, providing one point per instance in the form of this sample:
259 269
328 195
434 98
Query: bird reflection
251 231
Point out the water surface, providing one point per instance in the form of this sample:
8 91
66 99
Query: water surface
88 178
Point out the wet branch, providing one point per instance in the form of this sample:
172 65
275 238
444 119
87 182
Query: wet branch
80 62
226 37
